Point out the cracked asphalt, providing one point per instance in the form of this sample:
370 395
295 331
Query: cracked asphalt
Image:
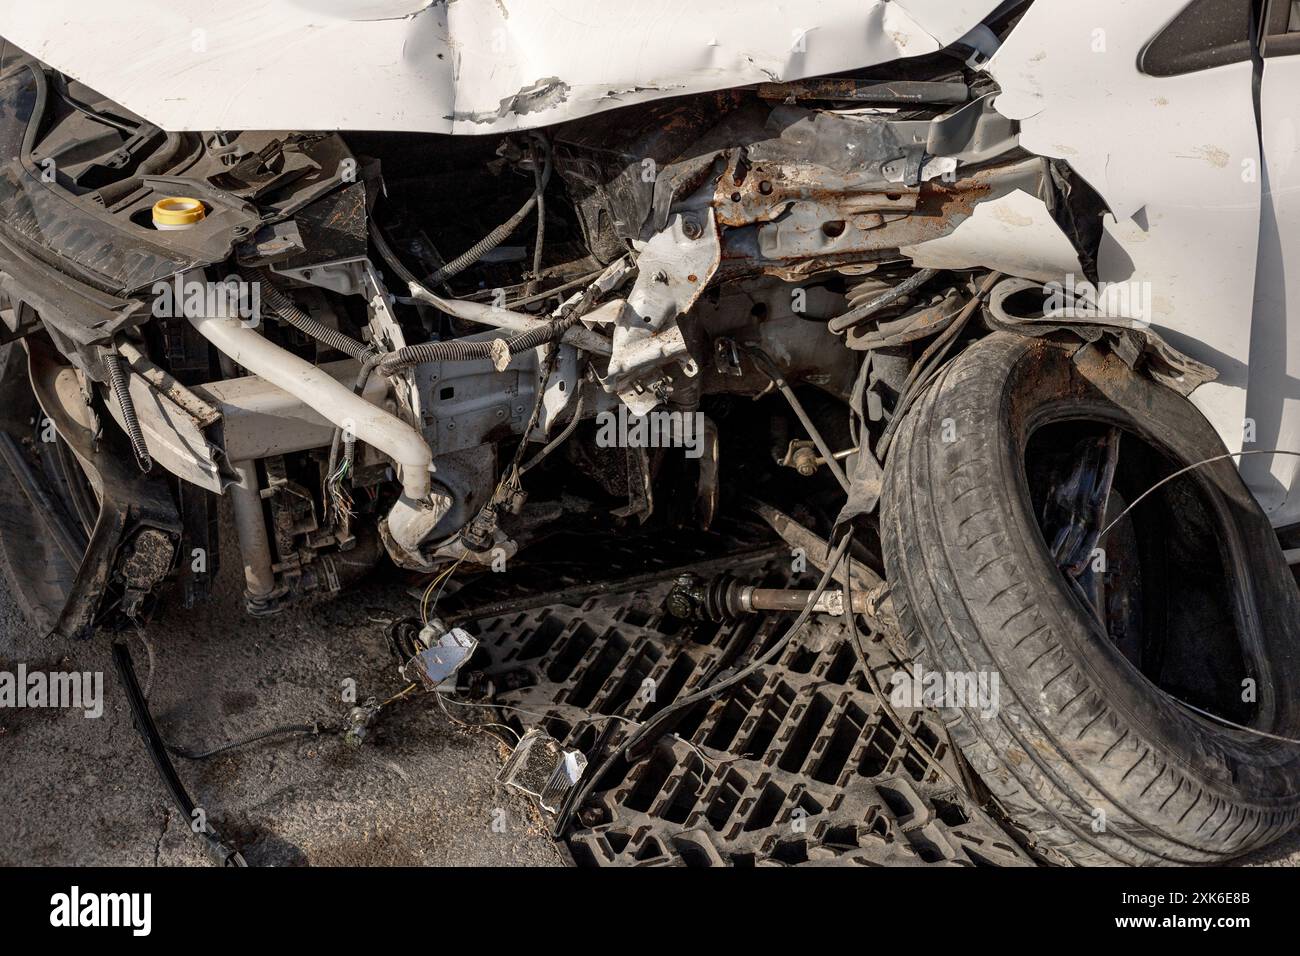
82 791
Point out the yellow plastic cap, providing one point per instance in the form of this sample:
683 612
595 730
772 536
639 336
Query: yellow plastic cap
177 211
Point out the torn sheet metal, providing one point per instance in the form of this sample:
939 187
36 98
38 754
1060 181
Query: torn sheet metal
1013 233
1136 344
674 268
442 657
468 66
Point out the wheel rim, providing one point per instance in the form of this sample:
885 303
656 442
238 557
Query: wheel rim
1157 587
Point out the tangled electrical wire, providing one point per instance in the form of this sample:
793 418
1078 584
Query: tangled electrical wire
440 582
339 497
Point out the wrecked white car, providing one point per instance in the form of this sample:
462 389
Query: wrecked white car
974 315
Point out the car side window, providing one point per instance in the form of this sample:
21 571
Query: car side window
1281 29
1203 35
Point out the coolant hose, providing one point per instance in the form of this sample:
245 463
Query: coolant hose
418 511
325 395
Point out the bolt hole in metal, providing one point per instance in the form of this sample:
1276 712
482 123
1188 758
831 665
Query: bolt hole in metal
1159 584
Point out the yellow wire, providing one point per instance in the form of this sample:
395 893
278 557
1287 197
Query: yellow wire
441 576
424 598
399 695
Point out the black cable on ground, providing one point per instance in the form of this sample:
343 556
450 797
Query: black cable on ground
223 854
300 730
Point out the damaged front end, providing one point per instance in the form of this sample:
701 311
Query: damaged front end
306 345
626 317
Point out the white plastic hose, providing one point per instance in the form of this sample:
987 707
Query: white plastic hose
325 395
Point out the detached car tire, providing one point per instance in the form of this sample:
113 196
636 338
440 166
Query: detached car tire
1090 755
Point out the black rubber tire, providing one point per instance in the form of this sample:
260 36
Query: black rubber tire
36 573
1079 728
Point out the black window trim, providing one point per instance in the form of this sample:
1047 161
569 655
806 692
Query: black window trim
1238 51
1275 40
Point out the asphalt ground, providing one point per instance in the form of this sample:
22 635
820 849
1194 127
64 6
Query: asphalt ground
76 790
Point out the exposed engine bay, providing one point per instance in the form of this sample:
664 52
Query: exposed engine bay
363 334
870 311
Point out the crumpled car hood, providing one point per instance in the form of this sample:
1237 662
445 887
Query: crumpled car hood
453 66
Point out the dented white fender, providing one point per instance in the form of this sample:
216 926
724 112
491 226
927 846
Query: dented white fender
453 66
1177 160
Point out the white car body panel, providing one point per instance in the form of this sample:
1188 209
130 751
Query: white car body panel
1177 159
1014 234
1167 155
468 66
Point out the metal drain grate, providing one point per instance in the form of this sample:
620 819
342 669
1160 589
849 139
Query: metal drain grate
798 764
